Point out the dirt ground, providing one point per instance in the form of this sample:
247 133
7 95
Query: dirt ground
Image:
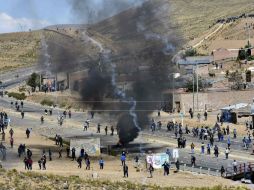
112 171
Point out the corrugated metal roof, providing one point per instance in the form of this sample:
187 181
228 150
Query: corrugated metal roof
236 106
196 60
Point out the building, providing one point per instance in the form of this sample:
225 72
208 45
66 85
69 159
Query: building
223 54
195 60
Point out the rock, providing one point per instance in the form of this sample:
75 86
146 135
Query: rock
65 185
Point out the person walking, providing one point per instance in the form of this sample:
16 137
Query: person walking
202 148
79 160
166 168
106 130
50 155
226 153
88 164
112 130
235 133
101 163
192 148
234 166
193 161
222 171
123 159
11 132
208 149
99 128
11 142
177 165
151 169
125 171
27 133
73 154
216 151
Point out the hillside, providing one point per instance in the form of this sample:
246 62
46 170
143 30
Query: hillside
19 49
132 32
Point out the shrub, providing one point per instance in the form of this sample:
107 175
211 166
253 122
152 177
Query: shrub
47 102
18 96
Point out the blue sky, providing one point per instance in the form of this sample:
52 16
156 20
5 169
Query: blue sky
22 15
16 15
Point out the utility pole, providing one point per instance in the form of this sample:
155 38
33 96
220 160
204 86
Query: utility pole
173 98
193 90
197 85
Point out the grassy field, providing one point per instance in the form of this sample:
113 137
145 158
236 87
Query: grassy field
34 181
19 49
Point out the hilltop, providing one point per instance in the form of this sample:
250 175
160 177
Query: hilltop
124 33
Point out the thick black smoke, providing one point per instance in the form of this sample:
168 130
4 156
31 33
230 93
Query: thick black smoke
144 42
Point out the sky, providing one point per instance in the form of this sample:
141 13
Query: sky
22 15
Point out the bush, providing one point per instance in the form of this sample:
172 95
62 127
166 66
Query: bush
47 102
190 52
18 96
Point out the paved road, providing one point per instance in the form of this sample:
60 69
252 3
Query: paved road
12 78
157 141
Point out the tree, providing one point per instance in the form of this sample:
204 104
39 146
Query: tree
189 85
190 52
34 80
242 54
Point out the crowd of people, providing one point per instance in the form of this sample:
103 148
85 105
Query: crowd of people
209 138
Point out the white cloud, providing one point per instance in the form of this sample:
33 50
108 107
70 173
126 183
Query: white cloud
10 24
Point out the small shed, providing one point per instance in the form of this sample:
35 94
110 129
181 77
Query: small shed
229 113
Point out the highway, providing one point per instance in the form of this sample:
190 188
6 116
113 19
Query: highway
158 141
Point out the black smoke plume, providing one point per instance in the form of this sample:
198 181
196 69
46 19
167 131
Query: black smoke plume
144 41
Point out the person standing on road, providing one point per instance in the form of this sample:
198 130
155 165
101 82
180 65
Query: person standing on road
222 171
202 148
192 148
50 155
73 154
193 161
205 115
99 128
69 113
27 133
229 142
216 151
112 130
235 133
234 166
177 165
191 113
11 142
11 132
106 130
22 114
226 153
208 149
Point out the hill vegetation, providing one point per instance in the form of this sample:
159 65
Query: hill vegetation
19 49
35 181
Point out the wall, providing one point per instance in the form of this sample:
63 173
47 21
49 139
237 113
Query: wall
214 100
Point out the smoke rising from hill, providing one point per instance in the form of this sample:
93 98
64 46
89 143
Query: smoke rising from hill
146 38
